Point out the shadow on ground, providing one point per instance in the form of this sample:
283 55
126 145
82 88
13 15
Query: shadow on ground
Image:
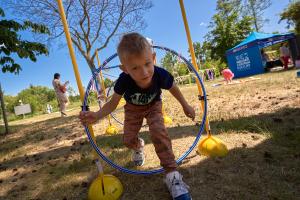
269 170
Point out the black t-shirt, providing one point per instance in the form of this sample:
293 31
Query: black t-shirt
133 94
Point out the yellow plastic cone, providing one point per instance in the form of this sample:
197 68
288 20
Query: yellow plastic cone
105 187
168 120
209 146
113 188
111 130
212 146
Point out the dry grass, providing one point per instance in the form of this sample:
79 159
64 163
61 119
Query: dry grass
48 157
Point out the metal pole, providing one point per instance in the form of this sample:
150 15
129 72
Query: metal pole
3 110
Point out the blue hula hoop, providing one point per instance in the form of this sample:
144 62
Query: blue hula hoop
159 170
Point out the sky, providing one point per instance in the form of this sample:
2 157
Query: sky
164 26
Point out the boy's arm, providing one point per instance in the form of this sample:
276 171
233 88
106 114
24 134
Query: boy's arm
174 90
88 117
109 106
188 110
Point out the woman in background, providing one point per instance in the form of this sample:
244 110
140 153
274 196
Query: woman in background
284 55
60 90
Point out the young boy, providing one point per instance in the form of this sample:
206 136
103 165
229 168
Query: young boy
140 84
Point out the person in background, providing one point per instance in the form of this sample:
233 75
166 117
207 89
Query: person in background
49 108
60 90
284 55
228 75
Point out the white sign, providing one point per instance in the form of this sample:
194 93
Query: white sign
243 62
22 109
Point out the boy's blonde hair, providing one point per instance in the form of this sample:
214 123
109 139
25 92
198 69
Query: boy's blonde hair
132 44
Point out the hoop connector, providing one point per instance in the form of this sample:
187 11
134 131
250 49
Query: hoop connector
202 97
85 108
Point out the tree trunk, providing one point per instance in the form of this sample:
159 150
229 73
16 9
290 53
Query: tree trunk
255 19
3 110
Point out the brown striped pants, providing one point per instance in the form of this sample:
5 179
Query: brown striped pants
134 116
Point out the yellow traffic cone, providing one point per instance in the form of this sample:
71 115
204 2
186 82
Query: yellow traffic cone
212 146
105 187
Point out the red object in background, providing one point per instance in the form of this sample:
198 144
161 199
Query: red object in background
227 74
63 89
285 61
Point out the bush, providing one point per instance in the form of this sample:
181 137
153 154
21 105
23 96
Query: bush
181 69
217 65
36 96
74 99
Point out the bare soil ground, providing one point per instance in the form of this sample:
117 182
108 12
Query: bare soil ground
48 157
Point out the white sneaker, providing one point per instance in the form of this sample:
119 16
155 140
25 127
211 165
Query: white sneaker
177 188
138 156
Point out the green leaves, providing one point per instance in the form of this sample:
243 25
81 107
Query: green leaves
36 28
228 29
2 13
36 96
168 61
8 64
256 8
292 15
11 43
107 82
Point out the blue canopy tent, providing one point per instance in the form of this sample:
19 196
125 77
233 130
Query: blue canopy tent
245 58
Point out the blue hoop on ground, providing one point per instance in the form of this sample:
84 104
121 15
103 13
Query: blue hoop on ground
179 160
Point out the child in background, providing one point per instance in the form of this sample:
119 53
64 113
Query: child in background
228 75
140 83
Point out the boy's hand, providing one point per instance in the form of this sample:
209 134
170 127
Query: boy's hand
189 111
88 117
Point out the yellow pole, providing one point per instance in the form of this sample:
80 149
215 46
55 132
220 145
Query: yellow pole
72 54
187 30
103 85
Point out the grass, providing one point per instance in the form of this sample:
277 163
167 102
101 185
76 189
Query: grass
48 157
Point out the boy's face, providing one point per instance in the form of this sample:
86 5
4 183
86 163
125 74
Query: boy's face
140 68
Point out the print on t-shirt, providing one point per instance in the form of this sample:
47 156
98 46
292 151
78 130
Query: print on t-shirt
142 98
133 94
